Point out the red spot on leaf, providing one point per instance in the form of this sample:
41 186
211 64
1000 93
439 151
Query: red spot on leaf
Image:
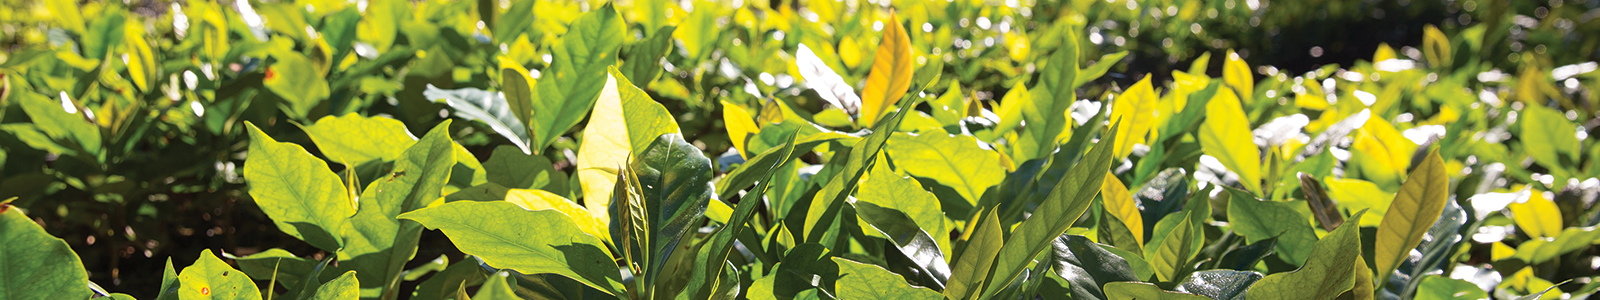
205 291
271 74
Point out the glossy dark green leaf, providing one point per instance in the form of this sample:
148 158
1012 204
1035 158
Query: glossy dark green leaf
498 234
676 181
807 267
644 57
1164 194
886 189
864 281
1219 284
38 265
297 190
916 244
1088 266
483 106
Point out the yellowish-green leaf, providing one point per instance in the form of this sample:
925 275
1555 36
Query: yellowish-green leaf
1119 202
517 87
1236 73
623 124
1136 111
1413 211
1356 194
1435 46
507 236
1172 253
542 200
211 278
65 13
1538 217
956 161
1328 273
1382 153
740 125
971 270
303 197
353 139
1225 135
1132 290
891 73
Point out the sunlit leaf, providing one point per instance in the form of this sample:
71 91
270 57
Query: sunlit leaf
1135 112
864 281
1221 137
890 75
353 139
1128 290
500 237
623 124
1413 211
956 161
35 264
1328 273
211 278
297 190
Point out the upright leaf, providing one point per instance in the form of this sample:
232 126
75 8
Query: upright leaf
1058 79
1236 73
1135 111
1413 211
295 78
1066 202
499 235
1222 137
625 121
1261 220
35 265
890 75
972 267
1119 202
297 190
377 245
577 74
344 287
1540 218
675 179
517 88
1554 143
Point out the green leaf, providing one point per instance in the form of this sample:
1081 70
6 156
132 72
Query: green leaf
577 74
1169 252
972 265
542 200
864 281
1439 287
70 130
496 288
211 278
1219 284
922 249
891 72
644 57
1222 137
515 169
1140 290
1059 79
297 191
1120 204
66 13
824 209
1557 146
1101 66
517 88
700 31
169 282
483 106
1261 220
1066 202
1328 273
295 78
955 161
1135 111
1571 239
1088 266
624 123
675 179
884 188
464 273
1436 47
377 245
498 234
765 165
1413 211
346 286
353 139
35 265
290 270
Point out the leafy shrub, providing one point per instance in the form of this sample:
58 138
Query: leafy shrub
870 153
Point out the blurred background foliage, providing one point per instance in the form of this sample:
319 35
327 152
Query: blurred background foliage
145 164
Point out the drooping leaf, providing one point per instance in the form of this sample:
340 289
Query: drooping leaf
956 161
1066 202
625 121
1135 112
36 265
483 106
297 190
1328 273
864 281
211 278
890 75
353 139
1088 266
1129 290
1413 211
1221 137
498 234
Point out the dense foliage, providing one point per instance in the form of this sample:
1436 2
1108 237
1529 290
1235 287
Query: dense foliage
1083 149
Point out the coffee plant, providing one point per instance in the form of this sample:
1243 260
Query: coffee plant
795 149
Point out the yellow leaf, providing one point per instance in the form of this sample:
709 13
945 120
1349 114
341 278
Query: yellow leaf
1384 53
1435 46
1120 203
1236 73
1499 250
740 125
1414 210
1538 216
1226 136
1382 153
890 75
623 123
850 52
1135 110
535 200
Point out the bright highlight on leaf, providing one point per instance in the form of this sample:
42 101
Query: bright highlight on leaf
891 73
